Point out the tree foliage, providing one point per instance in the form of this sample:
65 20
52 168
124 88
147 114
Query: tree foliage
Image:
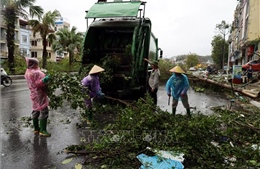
45 26
68 40
217 50
192 60
223 28
165 65
221 140
225 139
11 10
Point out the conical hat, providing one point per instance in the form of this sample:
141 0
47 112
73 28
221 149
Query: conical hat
177 69
155 63
96 69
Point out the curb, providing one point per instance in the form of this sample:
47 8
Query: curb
16 77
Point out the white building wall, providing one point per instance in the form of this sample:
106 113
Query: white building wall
25 44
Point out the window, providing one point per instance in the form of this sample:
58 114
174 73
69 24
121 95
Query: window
34 43
34 54
24 39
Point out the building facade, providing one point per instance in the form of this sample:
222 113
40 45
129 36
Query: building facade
25 33
244 39
3 41
25 43
36 42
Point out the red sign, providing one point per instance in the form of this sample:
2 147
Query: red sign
250 50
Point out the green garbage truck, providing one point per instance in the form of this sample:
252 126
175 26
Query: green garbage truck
118 39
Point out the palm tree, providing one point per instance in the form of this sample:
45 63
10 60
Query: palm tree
45 26
11 10
68 40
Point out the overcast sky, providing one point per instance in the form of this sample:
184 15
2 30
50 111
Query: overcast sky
181 26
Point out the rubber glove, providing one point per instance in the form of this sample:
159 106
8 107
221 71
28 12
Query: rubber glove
100 94
45 79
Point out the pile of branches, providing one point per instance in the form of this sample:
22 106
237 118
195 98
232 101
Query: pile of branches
223 140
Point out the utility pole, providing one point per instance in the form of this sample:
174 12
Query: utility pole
223 55
223 29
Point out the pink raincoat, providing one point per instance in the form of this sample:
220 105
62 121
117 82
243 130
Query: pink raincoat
34 76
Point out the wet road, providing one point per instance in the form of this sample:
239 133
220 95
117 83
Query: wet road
21 149
200 102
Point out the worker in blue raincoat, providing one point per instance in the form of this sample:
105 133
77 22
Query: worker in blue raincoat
177 87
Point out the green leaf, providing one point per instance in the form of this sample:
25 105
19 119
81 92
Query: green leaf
67 161
78 166
253 162
104 166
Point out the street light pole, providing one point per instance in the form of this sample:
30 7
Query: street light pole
222 29
229 55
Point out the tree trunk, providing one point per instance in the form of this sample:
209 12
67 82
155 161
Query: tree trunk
71 55
44 53
10 19
243 91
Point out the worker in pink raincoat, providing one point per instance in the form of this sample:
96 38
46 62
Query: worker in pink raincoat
91 87
36 81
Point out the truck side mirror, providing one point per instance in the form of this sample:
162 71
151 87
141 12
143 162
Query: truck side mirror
161 53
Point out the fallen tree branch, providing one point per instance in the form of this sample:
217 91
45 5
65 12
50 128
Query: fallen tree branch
121 101
79 152
243 91
248 125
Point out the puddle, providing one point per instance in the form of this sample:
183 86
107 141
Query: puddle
200 102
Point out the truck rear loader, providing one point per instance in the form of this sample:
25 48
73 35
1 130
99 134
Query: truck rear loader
118 39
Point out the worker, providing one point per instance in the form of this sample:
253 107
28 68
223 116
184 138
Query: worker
37 83
92 89
153 80
177 87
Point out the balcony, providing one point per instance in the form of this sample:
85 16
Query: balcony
4 54
3 39
17 42
25 27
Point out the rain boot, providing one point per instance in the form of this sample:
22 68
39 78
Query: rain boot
89 115
174 110
36 125
188 112
43 125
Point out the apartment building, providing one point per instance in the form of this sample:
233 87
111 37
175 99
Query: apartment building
36 42
25 33
245 36
3 42
27 44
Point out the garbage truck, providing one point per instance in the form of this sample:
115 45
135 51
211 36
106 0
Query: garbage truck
118 39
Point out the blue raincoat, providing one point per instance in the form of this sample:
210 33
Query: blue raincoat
177 85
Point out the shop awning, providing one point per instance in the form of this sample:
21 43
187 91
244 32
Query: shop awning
114 9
